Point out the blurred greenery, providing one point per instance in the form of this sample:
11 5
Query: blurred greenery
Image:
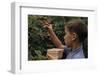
38 37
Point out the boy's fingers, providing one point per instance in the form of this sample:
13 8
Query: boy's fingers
43 24
49 56
46 24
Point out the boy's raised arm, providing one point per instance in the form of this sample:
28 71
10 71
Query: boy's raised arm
53 36
55 39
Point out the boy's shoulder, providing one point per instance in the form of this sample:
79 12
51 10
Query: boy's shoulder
79 54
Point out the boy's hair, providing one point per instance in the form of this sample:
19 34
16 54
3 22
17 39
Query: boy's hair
79 27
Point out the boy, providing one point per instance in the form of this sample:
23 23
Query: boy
75 34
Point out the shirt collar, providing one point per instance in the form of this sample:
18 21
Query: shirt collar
77 49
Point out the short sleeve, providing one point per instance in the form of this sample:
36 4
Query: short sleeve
66 52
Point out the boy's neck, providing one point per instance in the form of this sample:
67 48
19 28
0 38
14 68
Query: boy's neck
76 45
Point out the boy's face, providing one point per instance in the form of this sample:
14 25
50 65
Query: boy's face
69 38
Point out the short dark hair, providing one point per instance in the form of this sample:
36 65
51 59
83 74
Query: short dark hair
79 27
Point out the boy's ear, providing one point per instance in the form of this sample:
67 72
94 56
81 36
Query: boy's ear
74 36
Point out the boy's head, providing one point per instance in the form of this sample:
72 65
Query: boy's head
75 32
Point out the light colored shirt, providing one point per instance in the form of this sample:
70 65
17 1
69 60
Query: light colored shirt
74 53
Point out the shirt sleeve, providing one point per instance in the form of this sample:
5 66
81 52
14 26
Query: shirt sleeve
66 52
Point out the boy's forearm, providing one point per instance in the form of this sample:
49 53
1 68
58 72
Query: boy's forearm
55 39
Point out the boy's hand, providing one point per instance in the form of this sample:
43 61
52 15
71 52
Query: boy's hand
50 57
55 53
46 24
